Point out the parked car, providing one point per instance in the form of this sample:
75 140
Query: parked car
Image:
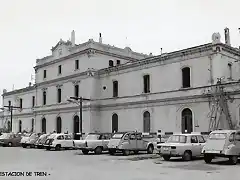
10 139
222 143
25 138
182 145
58 141
41 141
126 142
31 141
96 142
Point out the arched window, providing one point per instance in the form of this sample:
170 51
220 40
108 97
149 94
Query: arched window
186 77
76 124
20 126
114 123
187 124
32 125
44 125
44 98
146 122
59 125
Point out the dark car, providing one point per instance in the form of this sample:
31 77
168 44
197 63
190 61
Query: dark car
10 139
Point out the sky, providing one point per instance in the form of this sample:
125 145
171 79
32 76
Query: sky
29 28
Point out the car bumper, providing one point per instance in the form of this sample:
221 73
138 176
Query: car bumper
171 153
2 143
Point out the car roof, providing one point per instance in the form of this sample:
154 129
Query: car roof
98 133
223 131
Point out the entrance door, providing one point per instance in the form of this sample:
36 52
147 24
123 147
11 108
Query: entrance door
114 123
76 124
187 125
43 125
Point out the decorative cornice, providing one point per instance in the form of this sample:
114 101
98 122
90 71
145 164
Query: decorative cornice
89 52
18 91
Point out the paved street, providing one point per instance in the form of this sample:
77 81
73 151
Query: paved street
72 165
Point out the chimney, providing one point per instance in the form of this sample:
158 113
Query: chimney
100 38
227 36
73 38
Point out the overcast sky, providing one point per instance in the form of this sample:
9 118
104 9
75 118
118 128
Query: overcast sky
29 28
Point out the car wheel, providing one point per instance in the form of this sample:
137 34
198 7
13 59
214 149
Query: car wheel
24 145
9 144
126 152
208 158
48 148
58 147
85 152
150 149
166 157
187 156
112 152
136 152
98 150
233 159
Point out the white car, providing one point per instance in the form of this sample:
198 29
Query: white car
182 145
26 138
58 141
96 142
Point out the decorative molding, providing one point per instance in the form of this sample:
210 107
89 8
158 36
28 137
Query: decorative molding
59 86
44 89
76 82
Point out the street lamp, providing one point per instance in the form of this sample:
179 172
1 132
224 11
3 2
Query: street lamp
79 100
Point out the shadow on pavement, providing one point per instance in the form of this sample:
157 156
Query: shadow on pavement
223 162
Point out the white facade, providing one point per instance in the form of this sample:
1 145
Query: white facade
164 100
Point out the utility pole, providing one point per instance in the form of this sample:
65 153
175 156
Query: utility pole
11 112
80 99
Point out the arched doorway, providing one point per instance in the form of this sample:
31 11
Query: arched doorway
59 124
76 124
114 123
9 126
20 126
44 125
187 123
146 122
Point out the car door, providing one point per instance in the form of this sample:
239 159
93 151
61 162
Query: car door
201 142
140 143
68 141
132 141
237 141
195 145
105 141
61 140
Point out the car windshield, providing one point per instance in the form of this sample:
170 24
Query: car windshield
218 136
92 137
117 136
5 136
177 139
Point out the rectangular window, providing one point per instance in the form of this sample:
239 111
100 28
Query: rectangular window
33 101
60 69
45 74
76 90
115 88
110 63
20 103
146 83
9 105
59 92
118 62
76 64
